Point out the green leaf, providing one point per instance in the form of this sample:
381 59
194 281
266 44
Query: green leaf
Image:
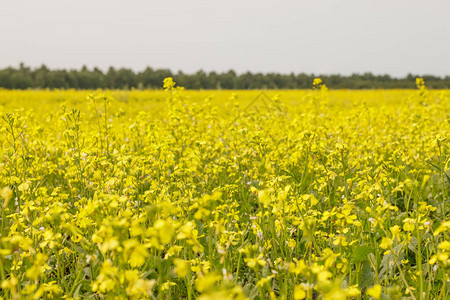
250 291
360 253
366 275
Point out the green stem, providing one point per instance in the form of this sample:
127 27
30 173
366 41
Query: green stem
419 262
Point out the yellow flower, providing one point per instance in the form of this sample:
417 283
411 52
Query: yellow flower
420 83
38 268
6 194
336 293
374 291
207 282
9 283
408 225
172 251
386 243
254 262
138 286
443 227
292 243
323 276
23 187
168 83
138 255
264 197
264 280
445 245
181 267
317 81
106 279
109 245
164 231
352 291
340 240
299 292
395 230
443 257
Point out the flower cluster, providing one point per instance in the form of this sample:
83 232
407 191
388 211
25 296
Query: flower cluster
176 194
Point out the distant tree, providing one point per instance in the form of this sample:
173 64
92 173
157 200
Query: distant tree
24 77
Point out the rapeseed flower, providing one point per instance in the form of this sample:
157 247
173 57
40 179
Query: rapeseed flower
212 194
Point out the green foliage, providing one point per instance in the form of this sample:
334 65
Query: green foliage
123 78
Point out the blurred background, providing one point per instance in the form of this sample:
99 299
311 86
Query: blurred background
238 38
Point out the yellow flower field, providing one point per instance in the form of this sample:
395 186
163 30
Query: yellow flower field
176 194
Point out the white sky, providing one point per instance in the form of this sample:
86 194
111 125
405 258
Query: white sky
393 37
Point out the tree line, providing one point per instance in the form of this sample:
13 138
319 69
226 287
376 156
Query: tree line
24 77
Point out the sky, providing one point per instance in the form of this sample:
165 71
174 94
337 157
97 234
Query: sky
320 37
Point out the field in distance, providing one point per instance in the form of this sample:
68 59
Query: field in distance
222 194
